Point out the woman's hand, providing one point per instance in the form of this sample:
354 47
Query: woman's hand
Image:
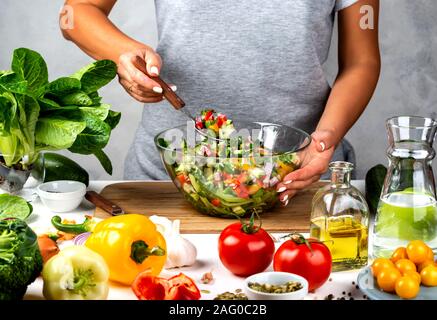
139 85
315 160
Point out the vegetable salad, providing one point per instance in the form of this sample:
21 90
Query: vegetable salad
227 175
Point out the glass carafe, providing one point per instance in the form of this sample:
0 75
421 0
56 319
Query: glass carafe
340 218
407 206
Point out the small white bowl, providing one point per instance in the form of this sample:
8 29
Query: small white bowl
275 278
62 195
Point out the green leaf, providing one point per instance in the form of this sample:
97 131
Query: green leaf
104 161
14 207
63 86
100 112
78 98
48 104
95 97
30 66
58 134
113 118
93 138
29 110
96 75
13 83
8 108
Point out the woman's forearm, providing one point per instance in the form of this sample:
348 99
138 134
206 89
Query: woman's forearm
95 34
349 97
359 68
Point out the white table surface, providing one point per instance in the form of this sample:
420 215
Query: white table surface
207 260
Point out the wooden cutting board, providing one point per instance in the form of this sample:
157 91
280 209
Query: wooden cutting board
162 198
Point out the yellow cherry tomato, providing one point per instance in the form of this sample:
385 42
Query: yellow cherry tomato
429 276
430 255
387 279
417 251
380 264
398 254
404 265
407 287
415 275
423 265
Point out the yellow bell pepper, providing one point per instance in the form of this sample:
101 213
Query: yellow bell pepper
76 273
130 244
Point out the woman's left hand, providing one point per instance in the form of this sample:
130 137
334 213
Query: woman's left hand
315 160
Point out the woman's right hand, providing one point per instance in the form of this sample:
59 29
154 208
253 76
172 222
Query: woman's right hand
139 85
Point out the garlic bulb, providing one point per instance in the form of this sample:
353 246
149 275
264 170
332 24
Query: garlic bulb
180 251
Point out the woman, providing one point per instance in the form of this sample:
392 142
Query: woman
248 61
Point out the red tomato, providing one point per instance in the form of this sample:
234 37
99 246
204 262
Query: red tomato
199 123
308 258
209 115
182 179
221 119
244 249
180 287
216 202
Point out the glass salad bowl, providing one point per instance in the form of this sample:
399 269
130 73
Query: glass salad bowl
236 176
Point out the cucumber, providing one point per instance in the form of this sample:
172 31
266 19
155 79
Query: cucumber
239 211
374 183
59 167
194 183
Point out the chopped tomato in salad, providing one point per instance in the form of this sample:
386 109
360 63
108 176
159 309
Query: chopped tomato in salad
221 180
216 122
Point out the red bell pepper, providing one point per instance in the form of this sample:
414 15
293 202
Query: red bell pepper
148 287
179 287
182 288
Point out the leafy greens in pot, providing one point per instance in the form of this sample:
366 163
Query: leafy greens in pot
67 113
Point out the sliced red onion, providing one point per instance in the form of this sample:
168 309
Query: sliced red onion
273 181
217 176
268 167
80 239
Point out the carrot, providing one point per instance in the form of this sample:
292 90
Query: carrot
47 247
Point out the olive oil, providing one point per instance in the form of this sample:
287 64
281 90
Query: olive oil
345 237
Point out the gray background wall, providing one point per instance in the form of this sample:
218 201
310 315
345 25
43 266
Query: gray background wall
408 83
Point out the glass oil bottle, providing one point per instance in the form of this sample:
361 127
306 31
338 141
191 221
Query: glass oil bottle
340 219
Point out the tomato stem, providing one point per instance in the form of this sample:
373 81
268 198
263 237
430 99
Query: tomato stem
249 227
299 239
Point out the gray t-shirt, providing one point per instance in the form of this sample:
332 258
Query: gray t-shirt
259 61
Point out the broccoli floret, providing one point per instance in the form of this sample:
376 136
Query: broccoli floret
20 258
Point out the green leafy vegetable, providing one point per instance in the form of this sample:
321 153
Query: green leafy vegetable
14 207
28 65
57 134
94 137
97 75
104 160
79 98
63 86
113 118
67 113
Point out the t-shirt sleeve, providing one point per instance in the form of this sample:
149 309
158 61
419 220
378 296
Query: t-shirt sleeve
342 4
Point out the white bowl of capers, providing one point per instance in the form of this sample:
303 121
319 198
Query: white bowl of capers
275 286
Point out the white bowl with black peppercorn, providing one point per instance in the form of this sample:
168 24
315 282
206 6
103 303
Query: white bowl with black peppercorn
275 286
